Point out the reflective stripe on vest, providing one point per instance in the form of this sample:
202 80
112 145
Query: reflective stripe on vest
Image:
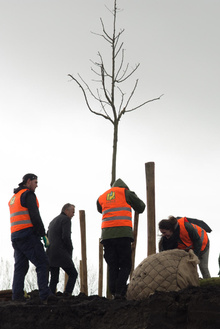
115 210
185 241
203 235
19 213
19 216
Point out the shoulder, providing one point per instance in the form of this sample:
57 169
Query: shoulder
63 219
27 197
188 226
29 194
60 218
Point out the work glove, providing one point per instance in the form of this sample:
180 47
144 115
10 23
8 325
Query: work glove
46 241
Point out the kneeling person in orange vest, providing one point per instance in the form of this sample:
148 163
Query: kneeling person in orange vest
181 234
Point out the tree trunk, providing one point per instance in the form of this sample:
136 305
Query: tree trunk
114 154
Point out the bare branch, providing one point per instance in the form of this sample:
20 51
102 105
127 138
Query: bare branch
86 100
101 35
103 103
117 37
102 66
122 100
104 87
116 54
120 66
150 100
104 31
122 79
129 98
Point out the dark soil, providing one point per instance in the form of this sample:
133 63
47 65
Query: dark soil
191 308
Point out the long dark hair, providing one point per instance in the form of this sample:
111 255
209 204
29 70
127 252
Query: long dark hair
168 224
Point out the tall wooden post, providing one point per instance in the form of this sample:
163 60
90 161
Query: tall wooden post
133 246
100 269
150 182
108 294
83 250
81 276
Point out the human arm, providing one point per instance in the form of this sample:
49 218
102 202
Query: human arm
99 208
66 234
133 200
31 204
194 236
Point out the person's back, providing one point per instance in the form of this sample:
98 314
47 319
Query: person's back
59 229
116 207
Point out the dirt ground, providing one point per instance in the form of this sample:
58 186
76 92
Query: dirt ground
191 308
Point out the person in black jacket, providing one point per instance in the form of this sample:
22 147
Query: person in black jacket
61 248
27 229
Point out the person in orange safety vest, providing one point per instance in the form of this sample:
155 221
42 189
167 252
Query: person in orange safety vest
181 234
27 230
116 207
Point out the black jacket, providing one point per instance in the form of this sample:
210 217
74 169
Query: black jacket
60 249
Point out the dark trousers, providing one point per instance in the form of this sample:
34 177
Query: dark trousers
30 249
117 253
54 279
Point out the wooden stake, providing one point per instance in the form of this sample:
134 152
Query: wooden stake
150 182
133 246
100 269
83 250
81 276
66 277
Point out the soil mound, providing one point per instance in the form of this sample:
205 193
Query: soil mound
191 308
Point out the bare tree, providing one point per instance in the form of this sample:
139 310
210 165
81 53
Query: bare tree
6 274
109 95
30 284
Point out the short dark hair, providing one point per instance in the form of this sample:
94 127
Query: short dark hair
67 206
168 224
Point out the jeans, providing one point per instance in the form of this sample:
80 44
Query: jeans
30 249
54 279
117 253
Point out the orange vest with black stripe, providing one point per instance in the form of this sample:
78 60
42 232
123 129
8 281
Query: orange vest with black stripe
19 216
186 243
115 210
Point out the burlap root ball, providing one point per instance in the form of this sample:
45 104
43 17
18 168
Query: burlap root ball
170 270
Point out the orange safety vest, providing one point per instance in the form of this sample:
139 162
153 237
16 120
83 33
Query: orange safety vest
186 243
19 216
115 210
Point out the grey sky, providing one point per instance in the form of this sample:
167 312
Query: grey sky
47 129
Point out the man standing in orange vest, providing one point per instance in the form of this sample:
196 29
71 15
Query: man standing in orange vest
116 207
27 229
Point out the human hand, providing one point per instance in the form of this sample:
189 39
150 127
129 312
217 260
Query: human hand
46 241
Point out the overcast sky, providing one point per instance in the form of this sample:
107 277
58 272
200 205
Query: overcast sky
47 129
